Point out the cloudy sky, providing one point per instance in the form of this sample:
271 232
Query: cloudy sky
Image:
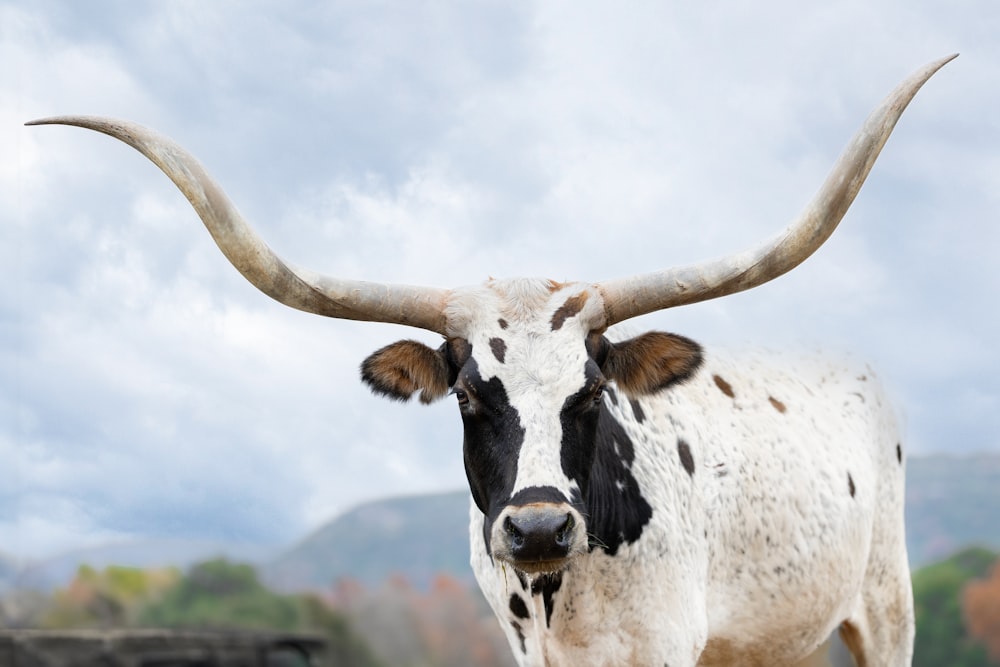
147 390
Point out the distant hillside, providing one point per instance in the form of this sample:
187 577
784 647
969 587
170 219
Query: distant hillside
8 571
951 503
415 536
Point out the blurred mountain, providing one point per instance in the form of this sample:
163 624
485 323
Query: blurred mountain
9 568
415 536
951 503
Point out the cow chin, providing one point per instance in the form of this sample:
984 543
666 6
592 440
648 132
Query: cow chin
538 538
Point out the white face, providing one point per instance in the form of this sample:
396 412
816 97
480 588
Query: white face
529 393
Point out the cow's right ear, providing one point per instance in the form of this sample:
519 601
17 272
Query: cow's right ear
399 369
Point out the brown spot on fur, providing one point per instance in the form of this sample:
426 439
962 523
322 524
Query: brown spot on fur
499 348
651 362
687 460
571 307
778 405
503 323
724 386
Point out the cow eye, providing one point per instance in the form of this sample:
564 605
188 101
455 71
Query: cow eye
463 398
598 394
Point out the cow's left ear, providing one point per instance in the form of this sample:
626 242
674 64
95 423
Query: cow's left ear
650 362
399 369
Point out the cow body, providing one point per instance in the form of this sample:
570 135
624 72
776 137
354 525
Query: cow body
739 511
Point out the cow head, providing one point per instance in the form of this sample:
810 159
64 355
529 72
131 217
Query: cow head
527 364
525 359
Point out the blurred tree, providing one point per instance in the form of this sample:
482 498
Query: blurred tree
216 594
981 604
221 594
937 590
449 625
109 598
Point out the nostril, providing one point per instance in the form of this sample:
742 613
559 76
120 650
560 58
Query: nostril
516 536
564 533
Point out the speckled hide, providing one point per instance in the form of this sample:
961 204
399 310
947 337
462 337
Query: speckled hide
736 516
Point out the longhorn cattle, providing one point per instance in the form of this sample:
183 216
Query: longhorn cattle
640 501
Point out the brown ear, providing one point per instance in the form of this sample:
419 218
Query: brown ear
399 369
651 362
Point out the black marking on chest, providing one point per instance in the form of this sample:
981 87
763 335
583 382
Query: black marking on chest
518 607
503 323
899 453
850 484
520 635
687 460
547 586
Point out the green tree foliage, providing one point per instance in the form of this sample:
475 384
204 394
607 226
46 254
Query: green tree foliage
942 638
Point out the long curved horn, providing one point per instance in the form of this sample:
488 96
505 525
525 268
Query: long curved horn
421 307
629 297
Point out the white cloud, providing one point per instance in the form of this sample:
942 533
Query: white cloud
146 388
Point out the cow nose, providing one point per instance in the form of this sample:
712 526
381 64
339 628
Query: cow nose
539 536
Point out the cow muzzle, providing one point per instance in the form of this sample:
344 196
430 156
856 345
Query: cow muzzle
539 537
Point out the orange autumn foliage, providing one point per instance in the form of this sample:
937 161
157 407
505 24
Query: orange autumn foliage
981 608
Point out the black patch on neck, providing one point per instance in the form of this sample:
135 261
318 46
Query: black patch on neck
547 585
598 454
617 512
